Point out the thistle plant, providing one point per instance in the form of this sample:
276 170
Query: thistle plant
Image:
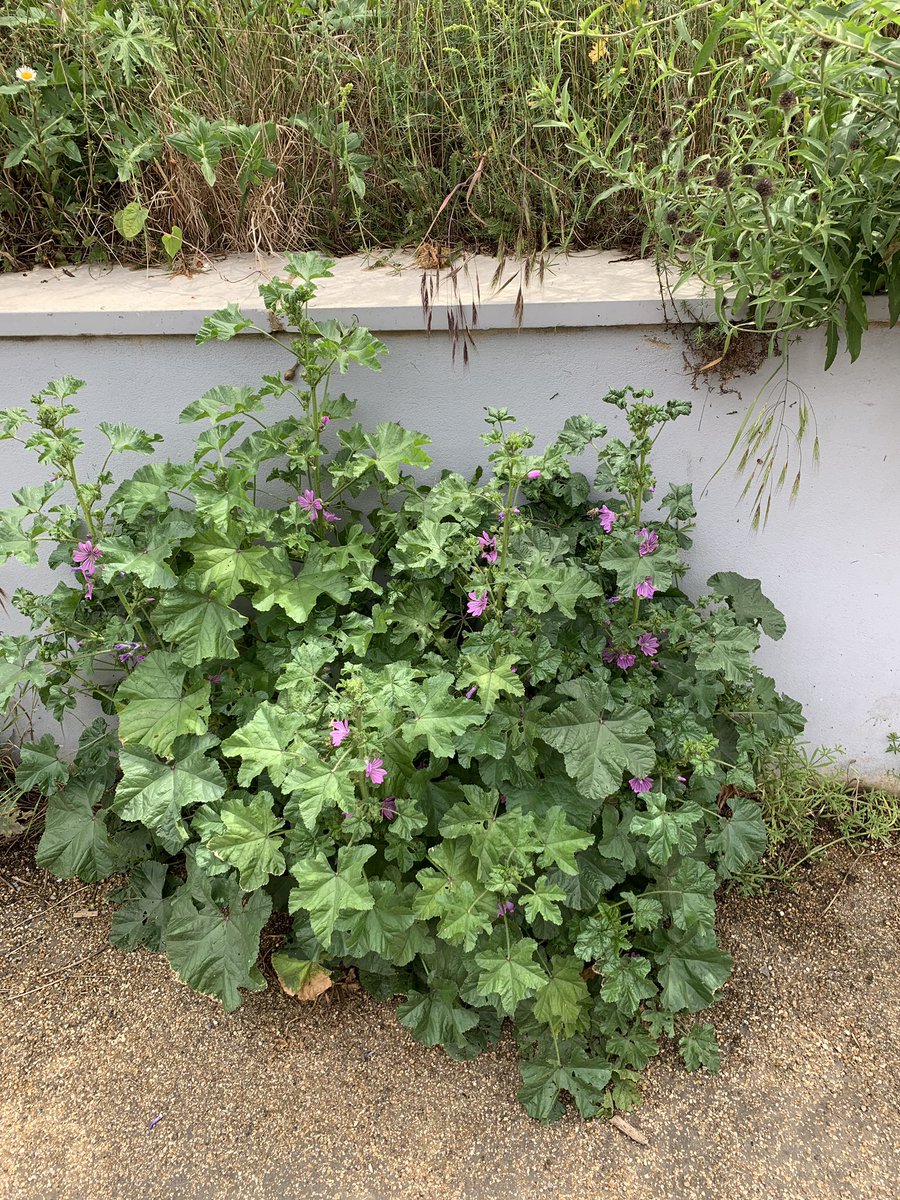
469 734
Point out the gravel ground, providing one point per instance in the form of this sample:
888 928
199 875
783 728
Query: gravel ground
121 1084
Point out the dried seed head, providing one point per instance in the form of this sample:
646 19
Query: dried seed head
690 237
672 216
690 104
748 170
734 255
666 133
723 178
765 188
725 119
683 175
787 99
776 274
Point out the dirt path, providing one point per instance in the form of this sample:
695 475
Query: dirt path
337 1102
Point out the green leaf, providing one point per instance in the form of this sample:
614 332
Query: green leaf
392 446
155 793
688 896
578 432
140 919
623 556
436 1017
510 974
646 911
156 709
123 438
384 928
543 586
221 403
172 242
699 1048
268 742
666 830
602 937
212 937
39 767
223 325
561 841
726 651
691 972
625 982
250 841
741 838
438 717
325 892
122 556
222 563
75 843
563 1000
544 901
491 679
324 573
202 627
598 748
315 784
583 1077
131 219
748 603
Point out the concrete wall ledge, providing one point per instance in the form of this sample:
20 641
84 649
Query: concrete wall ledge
381 291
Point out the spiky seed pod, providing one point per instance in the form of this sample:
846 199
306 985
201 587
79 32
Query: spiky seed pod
683 175
787 99
691 237
725 119
672 216
776 274
764 188
748 170
666 133
723 178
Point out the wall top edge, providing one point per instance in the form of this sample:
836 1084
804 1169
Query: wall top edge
383 292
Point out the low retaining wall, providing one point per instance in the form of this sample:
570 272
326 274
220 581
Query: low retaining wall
830 561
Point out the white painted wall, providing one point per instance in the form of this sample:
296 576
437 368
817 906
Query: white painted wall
831 561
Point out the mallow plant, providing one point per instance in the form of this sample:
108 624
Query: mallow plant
467 739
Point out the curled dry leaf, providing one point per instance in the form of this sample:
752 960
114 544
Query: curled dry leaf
299 977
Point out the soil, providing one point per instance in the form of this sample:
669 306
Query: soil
121 1084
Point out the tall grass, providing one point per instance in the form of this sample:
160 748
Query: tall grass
439 91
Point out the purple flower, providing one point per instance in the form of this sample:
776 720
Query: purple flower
375 770
488 546
324 422
625 661
614 600
215 678
514 670
477 604
609 655
641 785
471 692
86 557
607 518
645 588
339 731
311 503
648 644
534 474
505 907
682 779
130 652
330 517
502 516
650 541
502 800
388 808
